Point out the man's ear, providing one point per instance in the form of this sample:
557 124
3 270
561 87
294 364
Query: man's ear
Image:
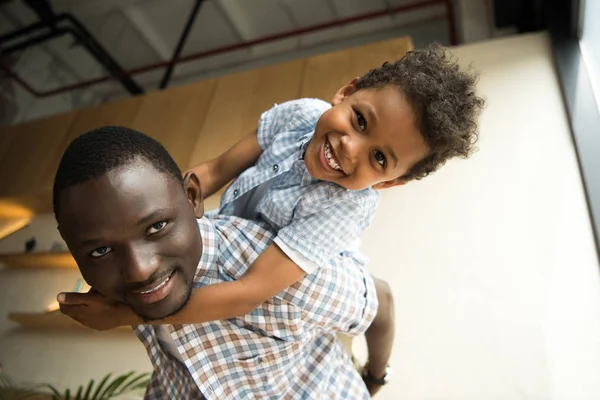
60 232
344 92
390 184
193 191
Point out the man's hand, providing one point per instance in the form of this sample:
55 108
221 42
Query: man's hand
95 311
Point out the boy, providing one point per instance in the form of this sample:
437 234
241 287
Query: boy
311 173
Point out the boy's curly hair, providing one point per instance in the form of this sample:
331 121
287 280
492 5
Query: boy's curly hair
444 100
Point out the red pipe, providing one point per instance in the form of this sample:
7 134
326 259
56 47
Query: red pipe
394 10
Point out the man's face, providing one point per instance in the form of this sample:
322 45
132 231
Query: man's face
368 138
134 235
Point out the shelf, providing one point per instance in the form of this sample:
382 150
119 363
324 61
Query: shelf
60 260
52 320
12 225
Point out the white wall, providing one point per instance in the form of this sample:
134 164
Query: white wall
491 260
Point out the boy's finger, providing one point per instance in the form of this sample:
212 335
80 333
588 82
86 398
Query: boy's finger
70 310
74 298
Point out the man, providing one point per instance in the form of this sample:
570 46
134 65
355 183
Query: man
137 231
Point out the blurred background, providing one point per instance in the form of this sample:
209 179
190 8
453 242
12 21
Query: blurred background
50 67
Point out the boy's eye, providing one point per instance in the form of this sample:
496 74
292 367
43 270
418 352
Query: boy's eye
100 252
157 227
361 121
380 158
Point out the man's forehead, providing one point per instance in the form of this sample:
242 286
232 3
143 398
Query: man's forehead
129 192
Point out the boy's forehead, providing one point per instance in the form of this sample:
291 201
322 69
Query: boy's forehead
396 123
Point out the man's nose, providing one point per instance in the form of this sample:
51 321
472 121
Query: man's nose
140 264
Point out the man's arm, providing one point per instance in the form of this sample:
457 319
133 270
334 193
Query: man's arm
218 172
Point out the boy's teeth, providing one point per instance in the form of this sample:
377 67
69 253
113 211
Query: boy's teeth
329 158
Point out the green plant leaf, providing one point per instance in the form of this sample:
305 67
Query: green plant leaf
56 395
5 381
100 387
114 385
79 393
90 387
67 395
141 381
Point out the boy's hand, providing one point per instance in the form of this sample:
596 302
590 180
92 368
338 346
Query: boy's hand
95 311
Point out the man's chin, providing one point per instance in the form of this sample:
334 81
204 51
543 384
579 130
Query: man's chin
164 308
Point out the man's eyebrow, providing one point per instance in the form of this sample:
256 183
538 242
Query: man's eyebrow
142 221
89 243
152 215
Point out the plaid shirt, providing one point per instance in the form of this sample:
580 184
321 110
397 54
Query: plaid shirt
317 219
285 349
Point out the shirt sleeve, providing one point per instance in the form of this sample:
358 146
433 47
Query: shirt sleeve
298 116
298 258
331 227
274 121
368 304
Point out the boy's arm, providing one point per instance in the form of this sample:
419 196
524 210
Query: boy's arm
270 273
216 173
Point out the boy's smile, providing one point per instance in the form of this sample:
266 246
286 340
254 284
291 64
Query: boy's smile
369 138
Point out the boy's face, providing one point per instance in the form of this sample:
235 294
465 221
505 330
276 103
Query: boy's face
134 235
368 138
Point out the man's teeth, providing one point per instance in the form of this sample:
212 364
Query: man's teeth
163 283
330 161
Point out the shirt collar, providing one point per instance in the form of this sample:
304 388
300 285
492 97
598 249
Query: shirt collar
210 247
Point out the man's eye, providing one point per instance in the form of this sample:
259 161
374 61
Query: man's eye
100 252
380 158
157 227
361 121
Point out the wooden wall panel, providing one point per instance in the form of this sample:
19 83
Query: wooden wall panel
326 73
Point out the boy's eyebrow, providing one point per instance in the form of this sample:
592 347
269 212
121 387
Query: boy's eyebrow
391 152
370 112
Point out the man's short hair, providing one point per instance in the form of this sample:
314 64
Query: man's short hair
95 153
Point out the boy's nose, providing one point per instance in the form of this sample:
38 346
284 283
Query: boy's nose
350 147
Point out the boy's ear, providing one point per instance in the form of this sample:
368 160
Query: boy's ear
390 184
344 92
193 191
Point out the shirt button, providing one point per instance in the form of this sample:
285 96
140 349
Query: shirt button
236 192
275 167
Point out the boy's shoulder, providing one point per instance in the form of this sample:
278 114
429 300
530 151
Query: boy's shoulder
301 112
366 199
306 103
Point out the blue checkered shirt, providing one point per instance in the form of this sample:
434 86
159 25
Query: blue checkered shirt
285 349
317 219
